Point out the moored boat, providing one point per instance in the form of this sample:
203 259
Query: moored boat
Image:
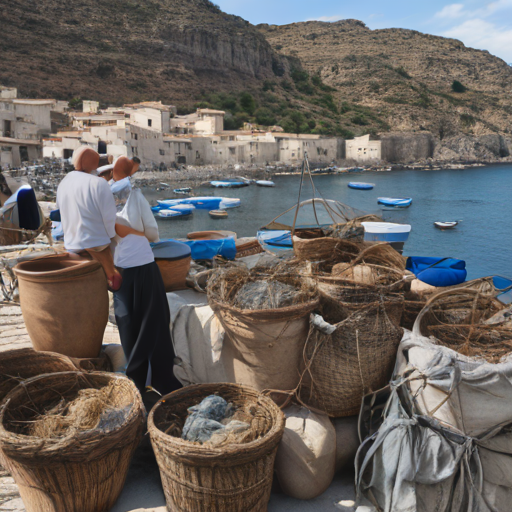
183 190
395 234
173 214
359 185
203 203
218 214
229 184
265 183
446 225
395 202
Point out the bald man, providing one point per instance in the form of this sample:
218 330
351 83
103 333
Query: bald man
88 213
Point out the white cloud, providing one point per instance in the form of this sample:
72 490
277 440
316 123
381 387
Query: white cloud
451 11
484 35
327 18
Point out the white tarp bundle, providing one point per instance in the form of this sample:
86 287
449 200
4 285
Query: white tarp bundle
197 338
446 441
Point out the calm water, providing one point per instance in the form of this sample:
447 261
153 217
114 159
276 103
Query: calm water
481 198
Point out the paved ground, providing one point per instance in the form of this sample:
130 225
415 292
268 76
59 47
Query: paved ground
143 489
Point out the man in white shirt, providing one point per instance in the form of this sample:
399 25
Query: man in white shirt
88 213
141 307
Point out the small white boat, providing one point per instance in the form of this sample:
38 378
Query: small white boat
265 183
446 225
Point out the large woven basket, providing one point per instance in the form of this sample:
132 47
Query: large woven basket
22 364
234 478
356 359
84 471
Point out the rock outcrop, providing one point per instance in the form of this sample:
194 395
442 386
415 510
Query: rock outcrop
122 50
402 75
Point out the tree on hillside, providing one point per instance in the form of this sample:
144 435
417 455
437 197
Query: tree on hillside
458 87
247 103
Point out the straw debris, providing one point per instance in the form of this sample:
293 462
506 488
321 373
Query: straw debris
90 410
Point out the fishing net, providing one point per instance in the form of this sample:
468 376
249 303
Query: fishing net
459 319
273 287
355 358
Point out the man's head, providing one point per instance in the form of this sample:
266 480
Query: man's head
124 167
86 159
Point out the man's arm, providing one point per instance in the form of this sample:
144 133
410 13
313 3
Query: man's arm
123 231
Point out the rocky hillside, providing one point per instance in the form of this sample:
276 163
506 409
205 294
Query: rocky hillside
411 81
129 50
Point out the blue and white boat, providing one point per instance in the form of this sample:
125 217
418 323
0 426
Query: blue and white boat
276 241
177 207
203 203
395 234
395 202
356 169
229 184
359 185
265 183
183 190
173 214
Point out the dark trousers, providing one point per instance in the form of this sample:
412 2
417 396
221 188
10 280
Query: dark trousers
143 317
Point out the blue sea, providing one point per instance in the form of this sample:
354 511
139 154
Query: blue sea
481 198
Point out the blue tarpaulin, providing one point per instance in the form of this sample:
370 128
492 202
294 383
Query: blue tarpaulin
208 249
437 271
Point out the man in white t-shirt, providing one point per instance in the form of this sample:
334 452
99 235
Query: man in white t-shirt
88 214
141 307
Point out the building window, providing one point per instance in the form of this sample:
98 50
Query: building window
162 152
150 122
7 129
6 148
68 153
135 136
135 151
198 156
24 153
232 151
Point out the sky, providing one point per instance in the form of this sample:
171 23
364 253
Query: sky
481 24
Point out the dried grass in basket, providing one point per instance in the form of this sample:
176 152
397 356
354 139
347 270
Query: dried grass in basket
456 319
200 478
79 469
356 359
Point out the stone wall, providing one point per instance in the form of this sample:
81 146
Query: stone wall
406 148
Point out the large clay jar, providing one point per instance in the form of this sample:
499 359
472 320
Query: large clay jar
64 303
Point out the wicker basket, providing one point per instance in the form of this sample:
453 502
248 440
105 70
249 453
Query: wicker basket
235 478
81 472
174 273
25 363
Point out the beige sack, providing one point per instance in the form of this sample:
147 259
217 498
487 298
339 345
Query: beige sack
347 442
360 273
306 457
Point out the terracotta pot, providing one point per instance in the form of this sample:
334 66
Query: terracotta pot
64 304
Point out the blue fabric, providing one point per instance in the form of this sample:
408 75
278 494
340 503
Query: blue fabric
437 271
208 249
28 210
55 216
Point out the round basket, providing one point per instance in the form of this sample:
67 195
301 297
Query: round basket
457 319
19 365
81 471
199 478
